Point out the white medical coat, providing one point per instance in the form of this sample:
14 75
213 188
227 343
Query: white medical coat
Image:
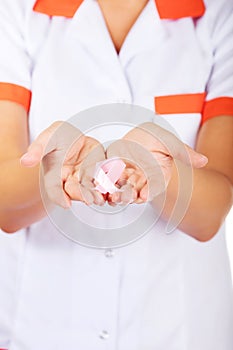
163 292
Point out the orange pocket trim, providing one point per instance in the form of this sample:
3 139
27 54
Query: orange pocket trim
175 9
65 8
15 93
178 104
217 107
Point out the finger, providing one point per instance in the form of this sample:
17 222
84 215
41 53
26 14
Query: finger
144 193
53 186
88 184
118 198
137 180
126 195
87 196
139 201
99 198
59 197
129 194
108 198
124 177
110 202
85 193
132 180
77 192
121 182
115 197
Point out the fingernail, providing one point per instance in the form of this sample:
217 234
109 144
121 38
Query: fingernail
204 159
26 158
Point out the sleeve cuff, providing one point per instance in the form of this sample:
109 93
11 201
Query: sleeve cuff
217 107
15 93
182 103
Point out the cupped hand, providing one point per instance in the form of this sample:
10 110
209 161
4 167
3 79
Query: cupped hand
69 159
149 152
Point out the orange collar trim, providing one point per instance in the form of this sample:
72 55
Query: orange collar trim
64 8
167 9
175 9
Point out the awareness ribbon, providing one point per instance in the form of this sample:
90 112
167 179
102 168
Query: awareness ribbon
107 174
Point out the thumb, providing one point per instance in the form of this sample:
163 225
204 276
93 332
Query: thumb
197 159
38 148
33 155
175 147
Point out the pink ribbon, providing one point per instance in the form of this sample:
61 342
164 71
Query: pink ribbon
107 174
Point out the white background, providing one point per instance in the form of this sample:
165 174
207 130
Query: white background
229 223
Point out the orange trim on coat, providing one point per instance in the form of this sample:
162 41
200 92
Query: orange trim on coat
185 103
217 107
167 9
65 8
15 93
175 9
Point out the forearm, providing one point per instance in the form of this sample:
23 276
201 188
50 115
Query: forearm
16 219
210 201
20 203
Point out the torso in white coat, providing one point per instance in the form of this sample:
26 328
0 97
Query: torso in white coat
163 292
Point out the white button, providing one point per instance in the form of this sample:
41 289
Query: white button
104 335
109 253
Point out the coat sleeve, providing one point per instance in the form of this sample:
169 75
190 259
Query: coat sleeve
219 89
15 63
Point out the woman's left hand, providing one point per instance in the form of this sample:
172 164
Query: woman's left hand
149 152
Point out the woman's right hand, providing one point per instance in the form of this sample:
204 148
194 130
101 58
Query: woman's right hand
69 159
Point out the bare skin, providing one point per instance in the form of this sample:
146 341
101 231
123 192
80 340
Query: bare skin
123 12
212 185
212 192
